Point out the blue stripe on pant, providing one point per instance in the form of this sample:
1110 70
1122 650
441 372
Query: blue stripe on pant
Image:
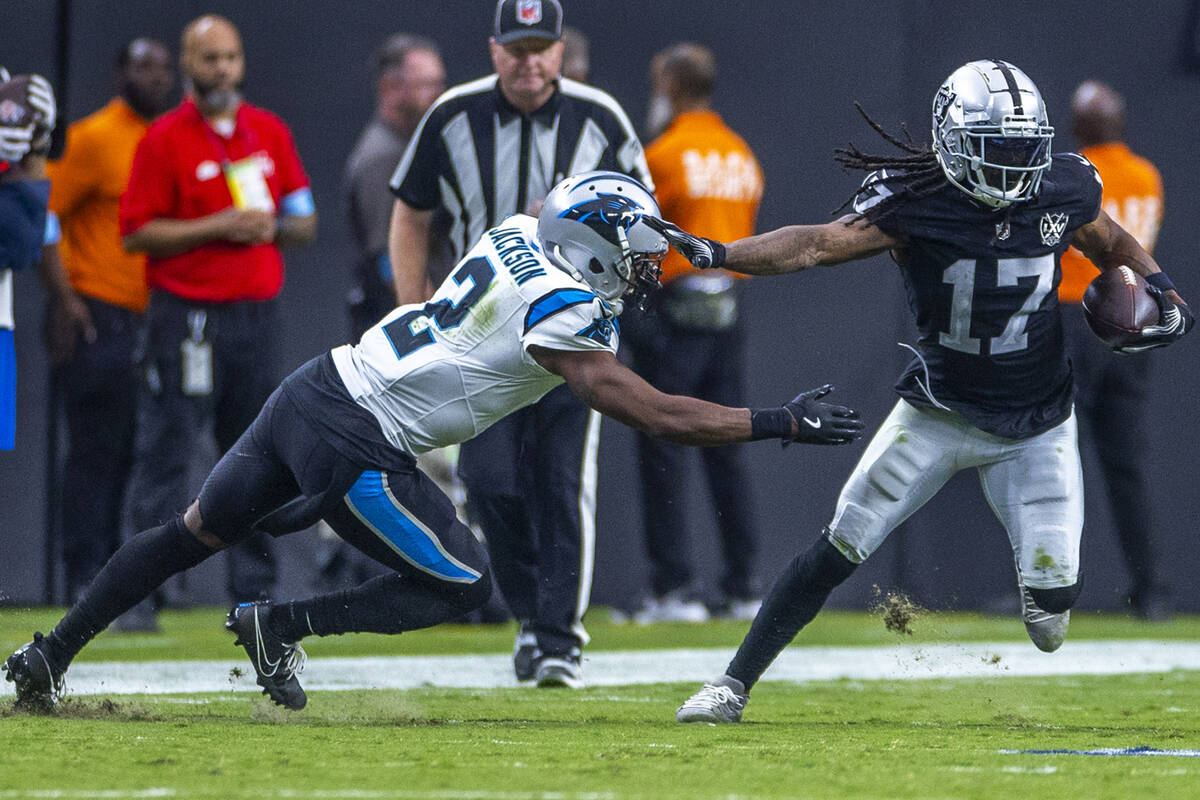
8 390
376 507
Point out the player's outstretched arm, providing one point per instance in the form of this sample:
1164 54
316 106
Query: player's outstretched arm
787 249
1109 246
608 386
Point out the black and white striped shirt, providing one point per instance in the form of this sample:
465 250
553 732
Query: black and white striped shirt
482 160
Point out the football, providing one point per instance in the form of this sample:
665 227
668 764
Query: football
1117 306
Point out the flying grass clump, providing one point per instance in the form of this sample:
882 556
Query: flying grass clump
897 610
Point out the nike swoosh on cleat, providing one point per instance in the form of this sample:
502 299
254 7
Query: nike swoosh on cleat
815 423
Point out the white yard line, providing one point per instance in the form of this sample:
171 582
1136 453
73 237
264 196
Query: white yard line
965 660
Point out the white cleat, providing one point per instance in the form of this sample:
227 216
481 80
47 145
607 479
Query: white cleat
559 672
671 607
1047 631
721 701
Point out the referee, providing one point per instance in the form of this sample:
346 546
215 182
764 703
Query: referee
488 149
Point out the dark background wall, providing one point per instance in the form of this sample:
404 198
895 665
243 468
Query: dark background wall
789 75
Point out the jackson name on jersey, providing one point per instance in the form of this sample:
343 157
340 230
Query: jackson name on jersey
440 373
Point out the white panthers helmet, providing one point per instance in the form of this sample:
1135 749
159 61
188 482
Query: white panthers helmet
991 132
591 226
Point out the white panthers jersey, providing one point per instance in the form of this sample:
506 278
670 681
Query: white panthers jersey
440 373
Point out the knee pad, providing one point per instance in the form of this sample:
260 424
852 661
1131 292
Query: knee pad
1057 601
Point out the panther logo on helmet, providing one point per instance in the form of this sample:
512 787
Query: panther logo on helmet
605 213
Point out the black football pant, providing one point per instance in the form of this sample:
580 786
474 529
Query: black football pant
1112 407
531 487
708 365
170 423
99 403
282 476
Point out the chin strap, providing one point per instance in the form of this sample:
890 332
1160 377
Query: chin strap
556 255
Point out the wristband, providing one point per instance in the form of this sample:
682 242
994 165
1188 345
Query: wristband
770 423
1160 281
718 257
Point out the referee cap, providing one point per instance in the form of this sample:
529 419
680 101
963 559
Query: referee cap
522 19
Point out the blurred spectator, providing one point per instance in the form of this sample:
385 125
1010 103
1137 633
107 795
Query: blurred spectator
1110 386
691 340
577 59
489 149
94 324
216 188
409 76
27 117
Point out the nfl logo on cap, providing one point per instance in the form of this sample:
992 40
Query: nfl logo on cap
529 12
528 19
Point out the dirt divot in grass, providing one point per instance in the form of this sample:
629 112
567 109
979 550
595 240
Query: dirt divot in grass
898 610
101 708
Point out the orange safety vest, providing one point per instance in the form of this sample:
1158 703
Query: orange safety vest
1133 197
707 181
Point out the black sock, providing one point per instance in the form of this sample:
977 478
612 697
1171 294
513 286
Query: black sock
387 604
137 568
794 600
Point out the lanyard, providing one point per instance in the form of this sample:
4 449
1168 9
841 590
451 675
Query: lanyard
219 142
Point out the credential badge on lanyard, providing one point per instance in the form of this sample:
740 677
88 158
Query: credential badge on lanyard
197 357
248 184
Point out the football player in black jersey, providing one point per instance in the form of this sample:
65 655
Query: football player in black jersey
977 224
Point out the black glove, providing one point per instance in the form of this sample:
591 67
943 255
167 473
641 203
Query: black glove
806 419
820 422
1174 320
703 253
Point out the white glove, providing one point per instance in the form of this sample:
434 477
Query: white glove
15 143
41 97
4 76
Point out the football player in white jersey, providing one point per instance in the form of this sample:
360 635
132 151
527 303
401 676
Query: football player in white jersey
532 305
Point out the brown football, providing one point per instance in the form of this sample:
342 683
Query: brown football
1117 306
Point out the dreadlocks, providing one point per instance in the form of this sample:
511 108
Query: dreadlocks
920 166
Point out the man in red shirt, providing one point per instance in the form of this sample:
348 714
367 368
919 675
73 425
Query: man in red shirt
216 188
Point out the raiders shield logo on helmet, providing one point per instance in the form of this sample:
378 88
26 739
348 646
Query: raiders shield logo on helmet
529 12
1052 228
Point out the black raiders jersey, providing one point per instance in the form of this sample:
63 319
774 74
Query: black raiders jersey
983 285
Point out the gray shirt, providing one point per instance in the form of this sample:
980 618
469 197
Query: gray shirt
370 166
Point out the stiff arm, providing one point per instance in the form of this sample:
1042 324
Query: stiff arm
797 247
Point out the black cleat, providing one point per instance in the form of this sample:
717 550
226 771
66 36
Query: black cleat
276 662
525 656
39 684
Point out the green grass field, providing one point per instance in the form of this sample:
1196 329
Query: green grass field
932 738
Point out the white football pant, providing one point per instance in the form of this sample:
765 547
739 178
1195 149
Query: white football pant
1034 486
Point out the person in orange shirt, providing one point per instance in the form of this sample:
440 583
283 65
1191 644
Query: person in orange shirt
95 360
1110 386
691 338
